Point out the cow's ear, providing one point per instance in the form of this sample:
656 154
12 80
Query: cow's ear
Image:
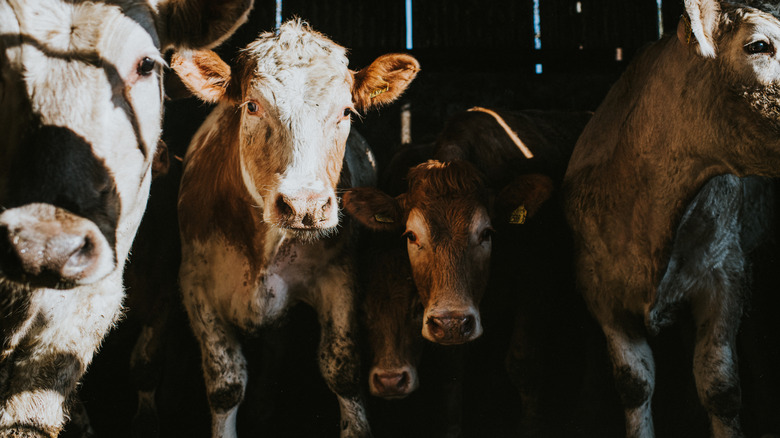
204 73
199 24
698 25
383 81
373 208
521 198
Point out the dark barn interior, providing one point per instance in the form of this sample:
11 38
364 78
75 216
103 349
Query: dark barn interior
472 53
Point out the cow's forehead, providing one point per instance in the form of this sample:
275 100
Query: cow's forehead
299 69
94 32
765 6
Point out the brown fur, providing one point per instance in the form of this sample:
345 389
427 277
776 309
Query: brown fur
205 69
393 72
219 204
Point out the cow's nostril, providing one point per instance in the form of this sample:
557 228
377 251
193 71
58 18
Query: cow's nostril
326 208
283 207
435 328
467 325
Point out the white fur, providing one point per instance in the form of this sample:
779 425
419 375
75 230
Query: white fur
75 65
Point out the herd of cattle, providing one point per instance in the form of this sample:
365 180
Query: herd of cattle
637 216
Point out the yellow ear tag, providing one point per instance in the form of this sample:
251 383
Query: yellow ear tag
379 91
518 216
379 217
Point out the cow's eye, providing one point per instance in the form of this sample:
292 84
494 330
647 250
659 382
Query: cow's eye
487 235
759 47
411 237
254 108
346 114
146 66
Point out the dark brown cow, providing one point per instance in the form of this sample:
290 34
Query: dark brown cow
446 213
452 271
662 226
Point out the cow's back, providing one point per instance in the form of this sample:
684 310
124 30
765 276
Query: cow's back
477 137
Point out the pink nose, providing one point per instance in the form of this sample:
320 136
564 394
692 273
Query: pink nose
452 327
307 210
49 254
391 383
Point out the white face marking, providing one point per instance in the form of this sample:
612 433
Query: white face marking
761 67
305 80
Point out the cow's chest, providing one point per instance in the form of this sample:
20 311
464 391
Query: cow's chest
296 267
295 271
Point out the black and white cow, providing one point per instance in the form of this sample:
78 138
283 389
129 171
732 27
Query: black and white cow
80 116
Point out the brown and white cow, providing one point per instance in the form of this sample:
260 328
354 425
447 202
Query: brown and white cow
80 115
258 205
662 225
445 215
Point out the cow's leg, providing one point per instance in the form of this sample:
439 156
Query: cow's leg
224 365
633 369
715 361
146 369
339 359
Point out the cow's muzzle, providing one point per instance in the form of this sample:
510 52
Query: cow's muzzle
306 210
452 327
392 383
45 246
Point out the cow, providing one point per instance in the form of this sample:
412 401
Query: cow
80 111
447 212
258 205
445 215
662 221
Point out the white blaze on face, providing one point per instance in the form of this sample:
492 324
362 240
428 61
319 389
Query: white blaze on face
304 81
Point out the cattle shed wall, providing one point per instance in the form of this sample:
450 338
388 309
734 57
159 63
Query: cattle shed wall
472 53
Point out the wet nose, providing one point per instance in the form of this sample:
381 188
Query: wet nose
452 327
391 383
53 253
304 210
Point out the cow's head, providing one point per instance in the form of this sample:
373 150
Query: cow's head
296 97
80 112
744 40
446 220
392 316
